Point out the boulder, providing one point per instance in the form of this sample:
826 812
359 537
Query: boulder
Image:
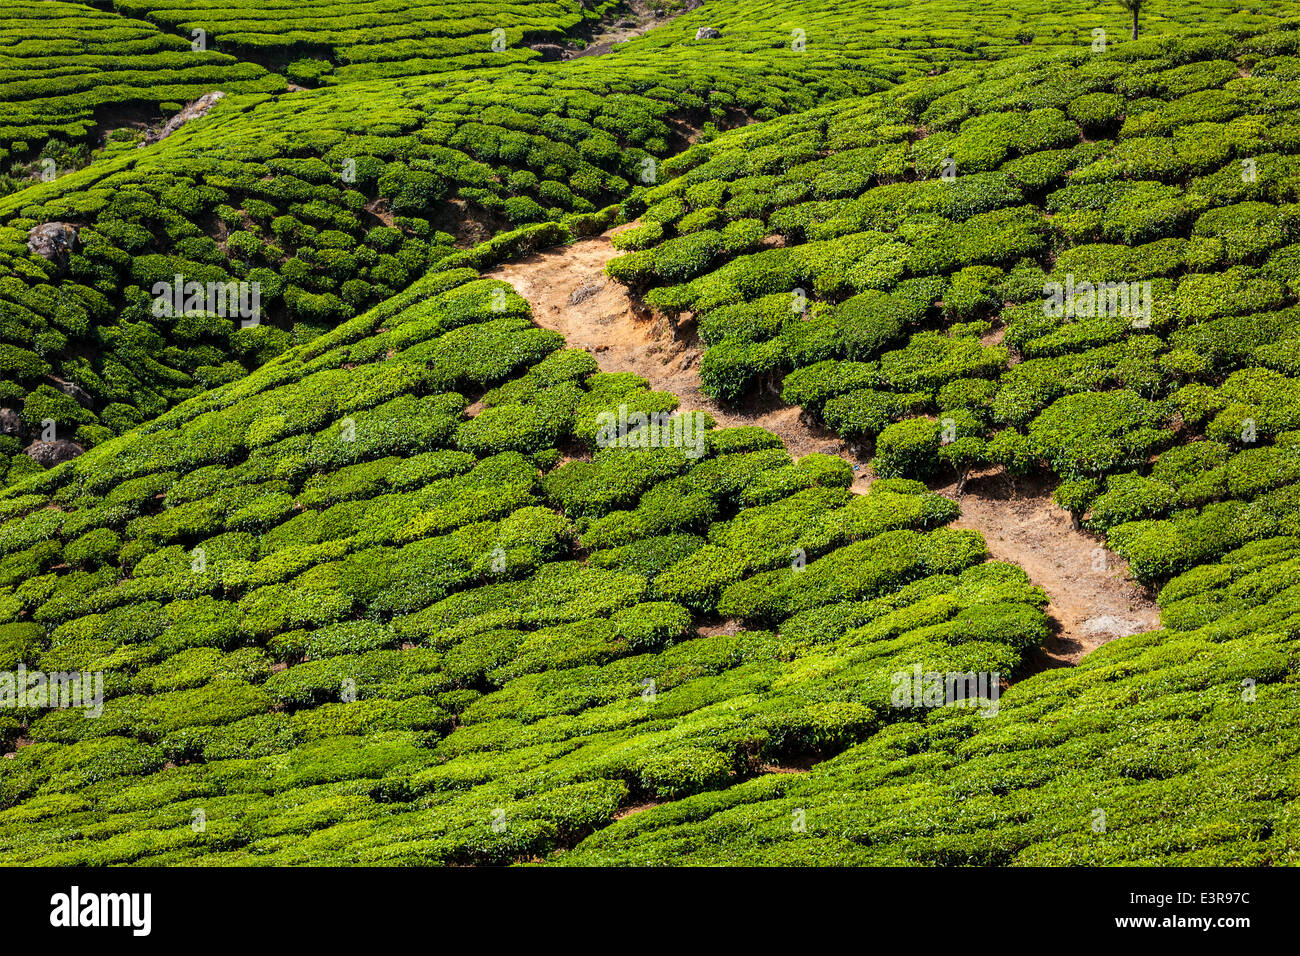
11 423
73 391
549 51
54 241
47 454
707 33
692 5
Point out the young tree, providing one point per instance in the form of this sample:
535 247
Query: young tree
965 455
1134 7
1014 452
1075 496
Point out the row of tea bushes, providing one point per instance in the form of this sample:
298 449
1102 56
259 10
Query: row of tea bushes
344 204
330 41
354 608
68 70
330 201
1172 748
911 242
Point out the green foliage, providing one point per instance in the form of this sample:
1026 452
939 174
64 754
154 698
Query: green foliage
1094 433
369 582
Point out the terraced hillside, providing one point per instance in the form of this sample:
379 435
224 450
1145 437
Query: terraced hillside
925 230
71 74
328 588
349 616
333 42
330 201
333 199
441 557
1174 748
1091 600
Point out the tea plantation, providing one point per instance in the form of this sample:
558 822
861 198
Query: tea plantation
326 592
1149 752
332 200
906 307
334 41
67 68
365 579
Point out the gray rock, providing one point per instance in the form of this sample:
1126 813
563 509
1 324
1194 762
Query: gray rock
549 51
707 33
73 391
11 423
193 111
692 5
47 454
585 291
54 241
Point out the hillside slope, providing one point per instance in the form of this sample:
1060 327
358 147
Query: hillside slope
462 552
342 620
907 301
328 201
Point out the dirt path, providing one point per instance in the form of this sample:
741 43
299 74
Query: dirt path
633 20
570 293
1092 600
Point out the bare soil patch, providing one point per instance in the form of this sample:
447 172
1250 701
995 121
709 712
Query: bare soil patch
633 19
1092 599
729 626
468 223
378 210
798 763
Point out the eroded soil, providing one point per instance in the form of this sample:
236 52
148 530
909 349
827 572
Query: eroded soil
1092 599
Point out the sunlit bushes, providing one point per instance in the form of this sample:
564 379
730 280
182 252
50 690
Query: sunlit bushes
292 221
453 646
863 413
731 369
1129 498
1094 433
